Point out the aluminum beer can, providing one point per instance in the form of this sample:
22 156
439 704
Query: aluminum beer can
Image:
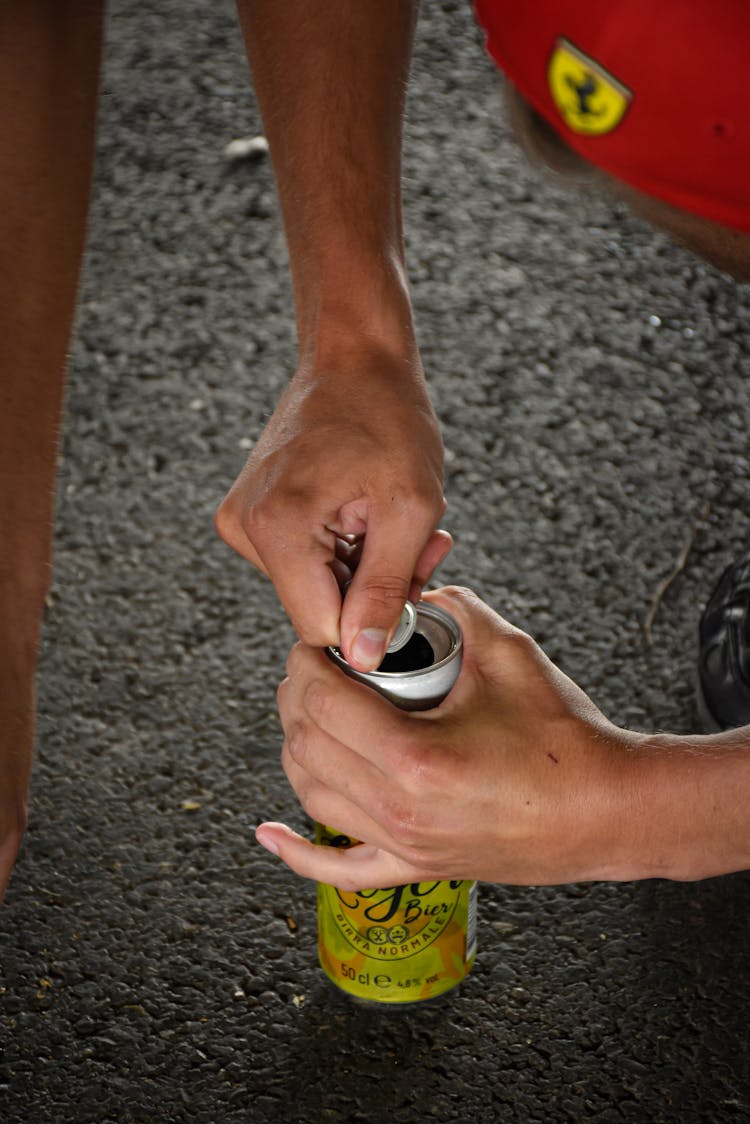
401 944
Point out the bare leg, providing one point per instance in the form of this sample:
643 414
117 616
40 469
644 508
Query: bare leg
49 67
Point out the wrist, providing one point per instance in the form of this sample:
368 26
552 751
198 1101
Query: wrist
351 303
597 835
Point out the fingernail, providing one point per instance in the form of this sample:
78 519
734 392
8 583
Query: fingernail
368 648
268 842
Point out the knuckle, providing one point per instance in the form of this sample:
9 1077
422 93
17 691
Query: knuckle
311 632
258 520
268 506
525 645
297 744
462 594
317 701
294 659
429 500
401 820
226 523
421 768
310 797
281 692
297 777
305 787
418 772
234 524
386 591
272 495
421 505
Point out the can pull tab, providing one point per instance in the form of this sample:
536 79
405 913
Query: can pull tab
404 629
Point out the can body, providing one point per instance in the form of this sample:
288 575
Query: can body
401 944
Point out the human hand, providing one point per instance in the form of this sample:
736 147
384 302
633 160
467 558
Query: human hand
346 479
513 778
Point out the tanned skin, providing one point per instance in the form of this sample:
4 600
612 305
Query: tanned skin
49 69
516 777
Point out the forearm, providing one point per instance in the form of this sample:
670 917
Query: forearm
330 79
683 807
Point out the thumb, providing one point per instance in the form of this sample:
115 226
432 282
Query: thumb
376 596
346 868
383 581
478 621
489 641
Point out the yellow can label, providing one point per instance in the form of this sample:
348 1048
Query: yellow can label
401 944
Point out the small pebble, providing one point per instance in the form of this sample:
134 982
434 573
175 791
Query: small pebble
246 148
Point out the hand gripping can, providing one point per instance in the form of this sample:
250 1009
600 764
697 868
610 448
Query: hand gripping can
402 944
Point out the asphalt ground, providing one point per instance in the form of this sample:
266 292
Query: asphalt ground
592 383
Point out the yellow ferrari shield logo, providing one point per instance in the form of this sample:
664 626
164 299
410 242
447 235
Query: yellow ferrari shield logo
589 99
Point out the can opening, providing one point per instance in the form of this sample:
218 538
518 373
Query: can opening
415 655
420 675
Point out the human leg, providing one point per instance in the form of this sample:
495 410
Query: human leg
49 67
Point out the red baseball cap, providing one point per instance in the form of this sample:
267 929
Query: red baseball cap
654 92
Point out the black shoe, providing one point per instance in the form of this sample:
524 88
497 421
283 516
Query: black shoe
724 653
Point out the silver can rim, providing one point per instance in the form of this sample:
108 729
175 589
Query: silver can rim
435 613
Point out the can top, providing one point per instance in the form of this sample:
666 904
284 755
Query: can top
404 629
426 684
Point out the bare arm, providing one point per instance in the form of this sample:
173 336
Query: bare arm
689 815
331 82
354 447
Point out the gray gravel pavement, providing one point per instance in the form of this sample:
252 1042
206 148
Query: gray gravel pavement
155 964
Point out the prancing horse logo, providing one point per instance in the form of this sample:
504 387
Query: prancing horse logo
589 98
